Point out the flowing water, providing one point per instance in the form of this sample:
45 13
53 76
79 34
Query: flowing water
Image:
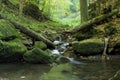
76 70
90 70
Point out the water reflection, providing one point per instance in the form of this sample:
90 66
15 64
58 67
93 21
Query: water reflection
91 70
97 70
22 71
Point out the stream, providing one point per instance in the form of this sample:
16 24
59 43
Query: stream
91 70
76 70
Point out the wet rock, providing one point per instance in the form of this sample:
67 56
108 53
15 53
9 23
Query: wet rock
63 59
88 47
116 76
11 51
36 55
7 31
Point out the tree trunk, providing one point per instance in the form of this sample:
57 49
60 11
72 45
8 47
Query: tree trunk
93 21
83 10
0 5
21 7
30 33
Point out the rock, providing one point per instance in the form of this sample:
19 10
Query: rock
7 31
40 44
116 76
36 55
33 11
11 51
62 59
82 36
88 47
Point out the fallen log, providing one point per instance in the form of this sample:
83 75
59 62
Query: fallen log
29 32
92 22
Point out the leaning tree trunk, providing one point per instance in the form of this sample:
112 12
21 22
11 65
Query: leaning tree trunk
95 20
30 33
21 7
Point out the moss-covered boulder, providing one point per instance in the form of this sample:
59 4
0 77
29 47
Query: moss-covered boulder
40 44
12 50
33 11
36 55
7 31
88 47
116 76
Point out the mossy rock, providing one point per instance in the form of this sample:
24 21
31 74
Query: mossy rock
33 10
36 55
85 34
11 51
62 59
88 47
7 30
80 36
41 45
116 76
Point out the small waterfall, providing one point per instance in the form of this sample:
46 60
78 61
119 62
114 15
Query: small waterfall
73 61
60 46
60 49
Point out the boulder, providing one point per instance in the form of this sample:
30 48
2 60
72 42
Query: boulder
36 55
7 31
116 76
12 50
88 47
41 45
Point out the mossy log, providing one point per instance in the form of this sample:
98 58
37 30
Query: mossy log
29 32
93 21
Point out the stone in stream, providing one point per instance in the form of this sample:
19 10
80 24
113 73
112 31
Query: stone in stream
37 55
88 47
41 45
11 51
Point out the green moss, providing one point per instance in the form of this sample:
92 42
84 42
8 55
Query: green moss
37 55
89 46
33 11
7 31
41 45
32 23
12 50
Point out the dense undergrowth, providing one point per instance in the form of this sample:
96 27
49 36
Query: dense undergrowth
31 23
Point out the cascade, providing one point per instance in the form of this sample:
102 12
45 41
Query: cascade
60 48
